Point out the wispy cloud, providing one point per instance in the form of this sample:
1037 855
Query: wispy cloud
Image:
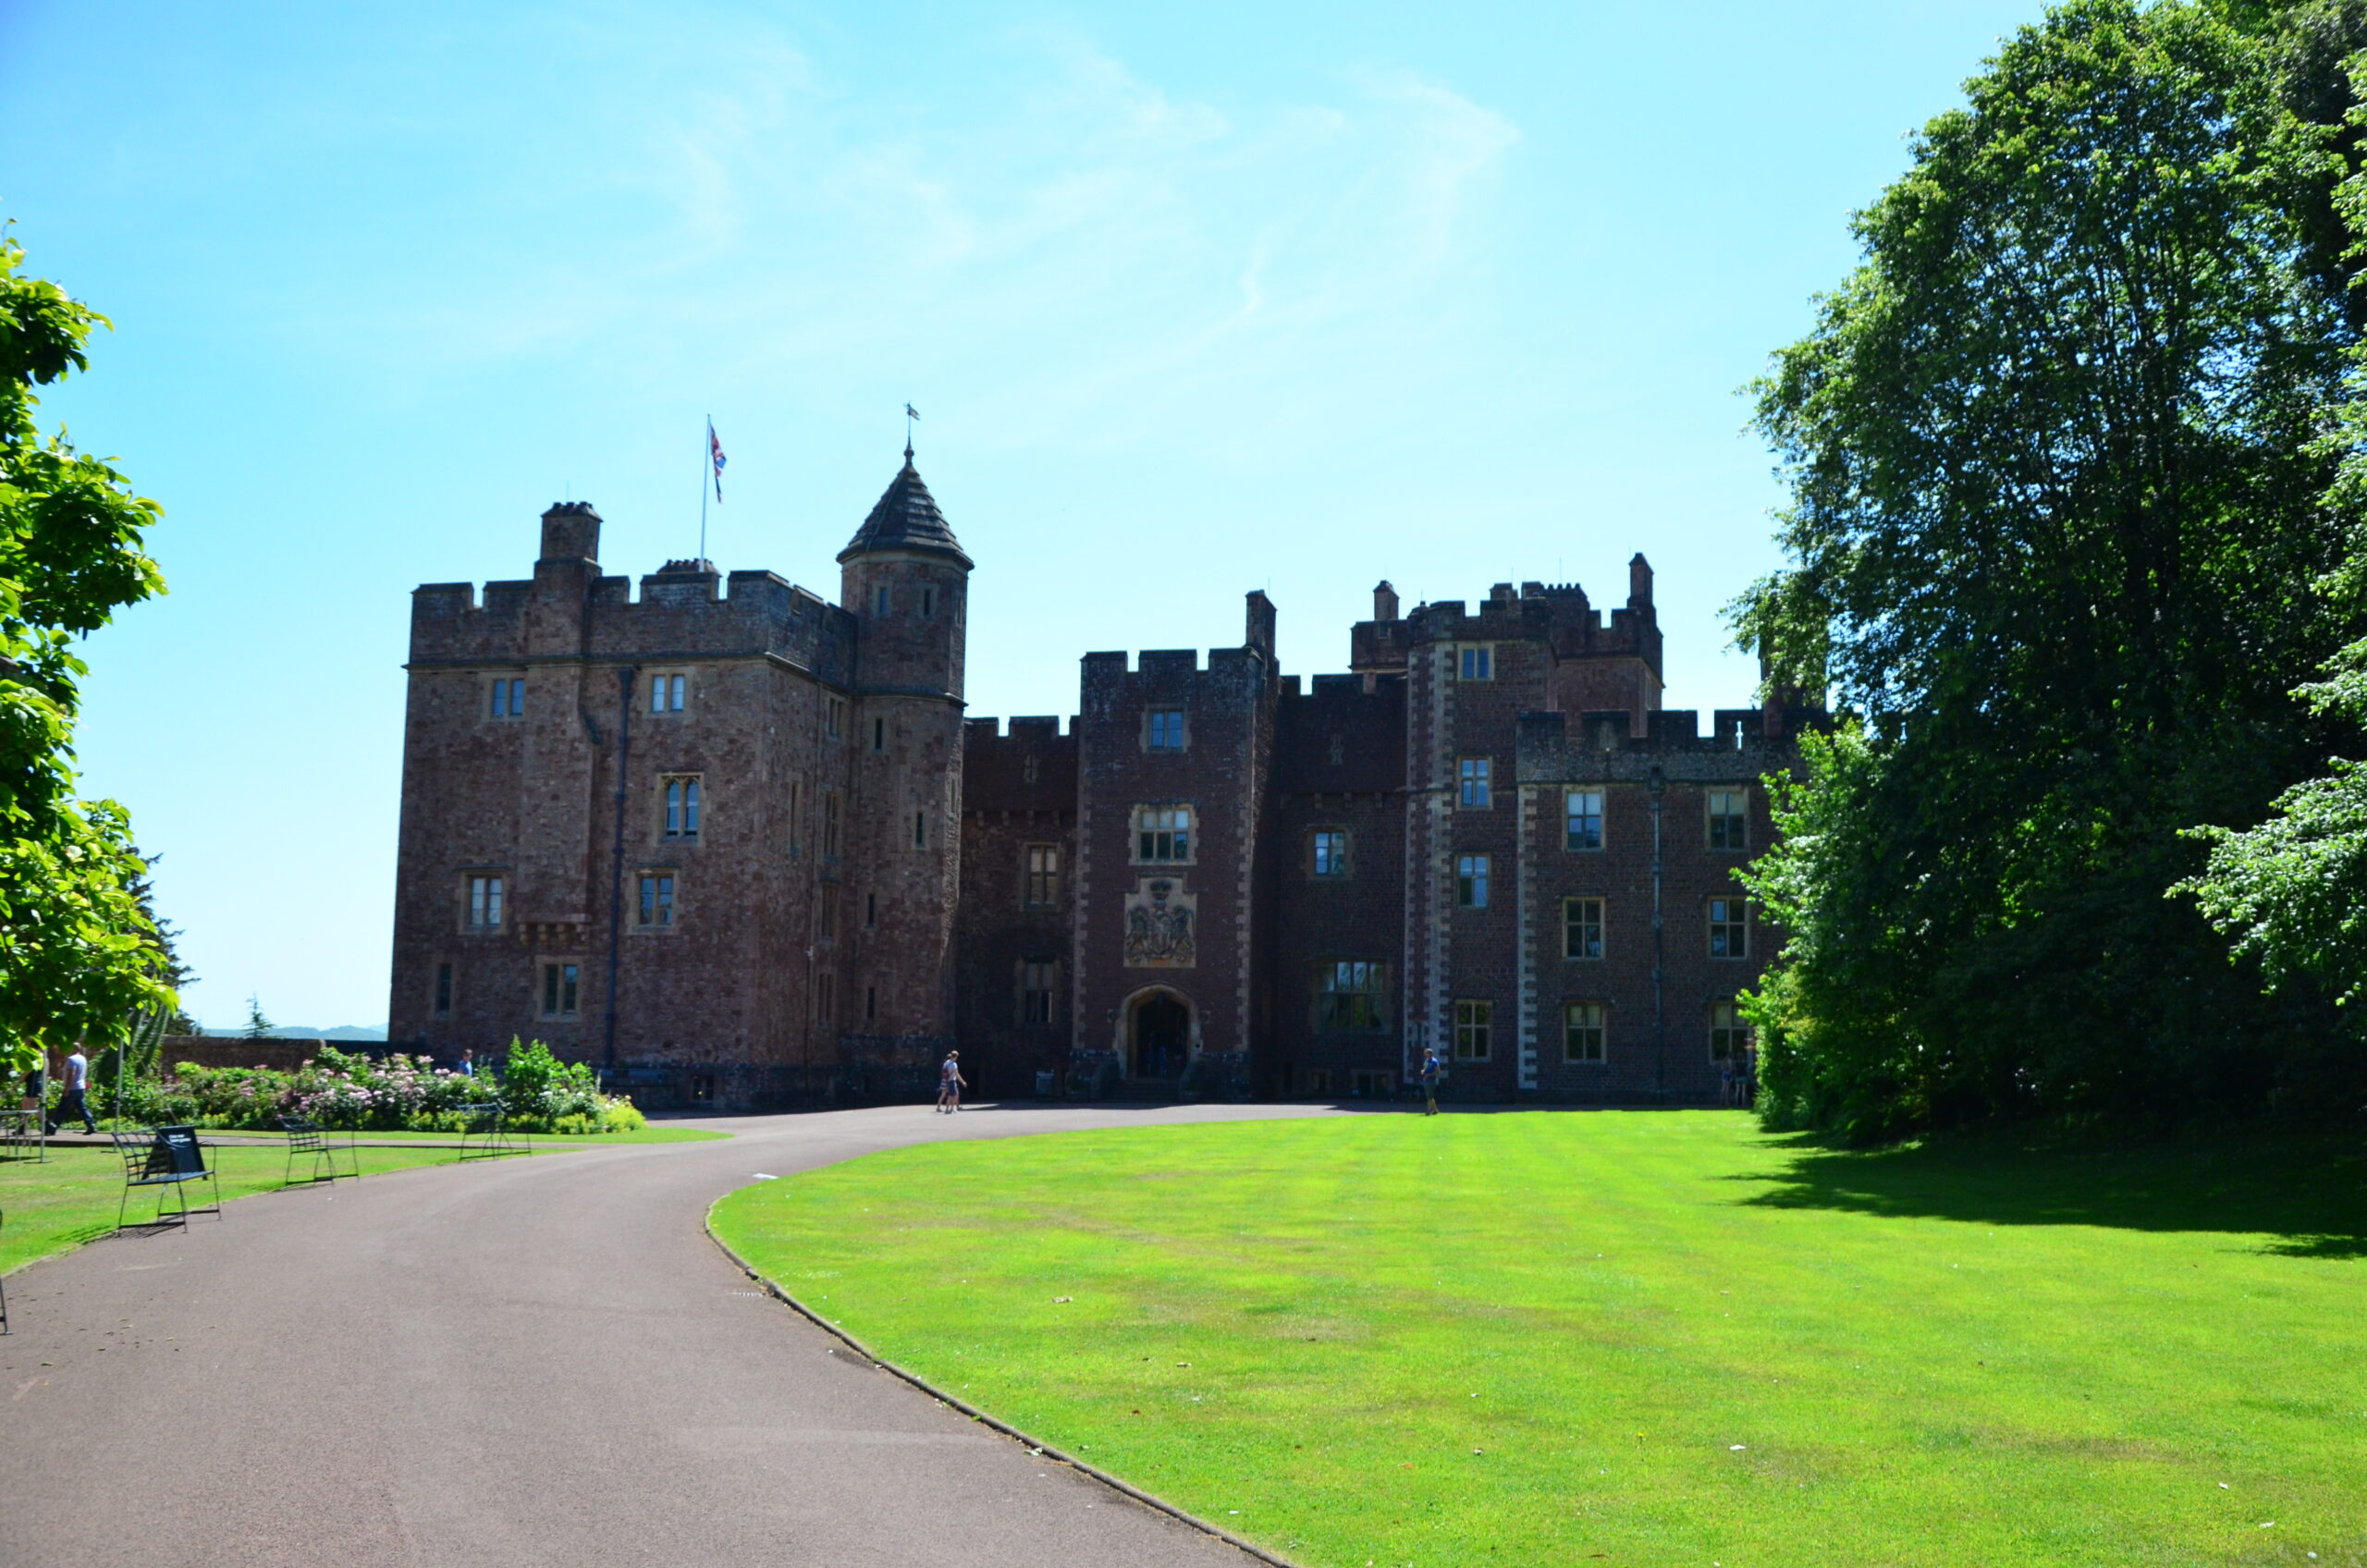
1079 254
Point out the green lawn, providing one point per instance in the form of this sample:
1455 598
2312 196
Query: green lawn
54 1205
1639 1338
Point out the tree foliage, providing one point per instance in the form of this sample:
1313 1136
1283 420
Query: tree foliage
2057 455
78 952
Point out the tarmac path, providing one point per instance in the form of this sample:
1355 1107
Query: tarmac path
537 1361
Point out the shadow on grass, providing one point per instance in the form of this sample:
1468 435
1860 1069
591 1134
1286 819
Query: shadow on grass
2306 1192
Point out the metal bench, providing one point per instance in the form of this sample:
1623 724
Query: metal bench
167 1158
4 1287
306 1140
486 1133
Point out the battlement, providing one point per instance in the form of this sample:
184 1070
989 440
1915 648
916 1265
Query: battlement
686 609
1338 738
1031 769
1742 744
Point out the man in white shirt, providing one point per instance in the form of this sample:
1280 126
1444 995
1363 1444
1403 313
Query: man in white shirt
77 1083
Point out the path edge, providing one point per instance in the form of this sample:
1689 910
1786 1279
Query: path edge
974 1412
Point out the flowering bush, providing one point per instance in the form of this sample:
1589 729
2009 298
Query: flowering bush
404 1093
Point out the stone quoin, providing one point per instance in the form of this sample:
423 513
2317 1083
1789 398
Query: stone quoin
741 845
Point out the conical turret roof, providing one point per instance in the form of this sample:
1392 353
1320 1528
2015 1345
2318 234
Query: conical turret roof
906 518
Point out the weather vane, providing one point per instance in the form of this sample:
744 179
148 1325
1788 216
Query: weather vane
910 414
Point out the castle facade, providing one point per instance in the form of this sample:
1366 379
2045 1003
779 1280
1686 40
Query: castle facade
741 846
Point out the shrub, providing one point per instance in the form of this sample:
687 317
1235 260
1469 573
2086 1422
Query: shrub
395 1093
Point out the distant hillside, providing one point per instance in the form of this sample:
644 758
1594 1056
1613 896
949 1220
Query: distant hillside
361 1033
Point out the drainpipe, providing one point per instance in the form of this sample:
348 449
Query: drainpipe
1660 953
627 678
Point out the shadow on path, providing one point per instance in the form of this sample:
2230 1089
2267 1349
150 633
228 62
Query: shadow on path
2307 1191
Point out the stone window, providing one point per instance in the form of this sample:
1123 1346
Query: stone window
1581 1031
1582 819
1330 853
880 600
1163 729
1471 881
1474 776
1349 993
879 734
485 904
826 998
1042 889
1729 1032
1475 1026
870 912
657 900
1476 663
920 830
1729 819
1036 990
928 603
682 796
831 823
443 990
825 916
834 717
1581 927
1163 834
871 993
666 692
1729 928
796 817
508 697
561 982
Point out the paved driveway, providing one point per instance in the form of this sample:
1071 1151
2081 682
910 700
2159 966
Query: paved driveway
516 1362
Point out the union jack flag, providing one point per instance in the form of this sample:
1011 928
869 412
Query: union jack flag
714 449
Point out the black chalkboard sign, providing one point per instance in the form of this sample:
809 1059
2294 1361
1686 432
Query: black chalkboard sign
178 1151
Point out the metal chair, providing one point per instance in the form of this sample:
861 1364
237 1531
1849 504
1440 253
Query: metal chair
486 1131
165 1158
307 1141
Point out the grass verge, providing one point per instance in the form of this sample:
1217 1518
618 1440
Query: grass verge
1640 1338
56 1205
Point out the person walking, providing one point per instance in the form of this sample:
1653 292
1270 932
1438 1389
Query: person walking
469 1063
72 1100
1429 1075
954 1082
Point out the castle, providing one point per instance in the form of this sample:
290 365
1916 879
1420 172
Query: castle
741 846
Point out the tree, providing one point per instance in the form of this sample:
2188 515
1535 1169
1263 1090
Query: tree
258 1026
77 954
2056 459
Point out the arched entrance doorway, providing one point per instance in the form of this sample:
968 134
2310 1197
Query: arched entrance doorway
1161 1036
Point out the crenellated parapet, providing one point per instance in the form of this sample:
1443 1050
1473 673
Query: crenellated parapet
1742 744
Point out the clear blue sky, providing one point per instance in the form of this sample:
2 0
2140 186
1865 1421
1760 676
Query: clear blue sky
1192 299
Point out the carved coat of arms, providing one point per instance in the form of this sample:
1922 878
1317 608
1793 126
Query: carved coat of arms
1159 918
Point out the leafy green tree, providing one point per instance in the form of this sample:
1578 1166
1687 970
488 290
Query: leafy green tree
78 955
2292 891
258 1026
2056 455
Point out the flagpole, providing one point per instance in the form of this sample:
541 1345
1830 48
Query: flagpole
706 458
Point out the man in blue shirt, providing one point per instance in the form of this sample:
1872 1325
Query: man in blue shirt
1429 1074
78 1084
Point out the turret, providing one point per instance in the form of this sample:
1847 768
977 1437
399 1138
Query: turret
906 580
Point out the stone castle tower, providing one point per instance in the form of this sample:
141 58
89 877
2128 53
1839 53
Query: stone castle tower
708 837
